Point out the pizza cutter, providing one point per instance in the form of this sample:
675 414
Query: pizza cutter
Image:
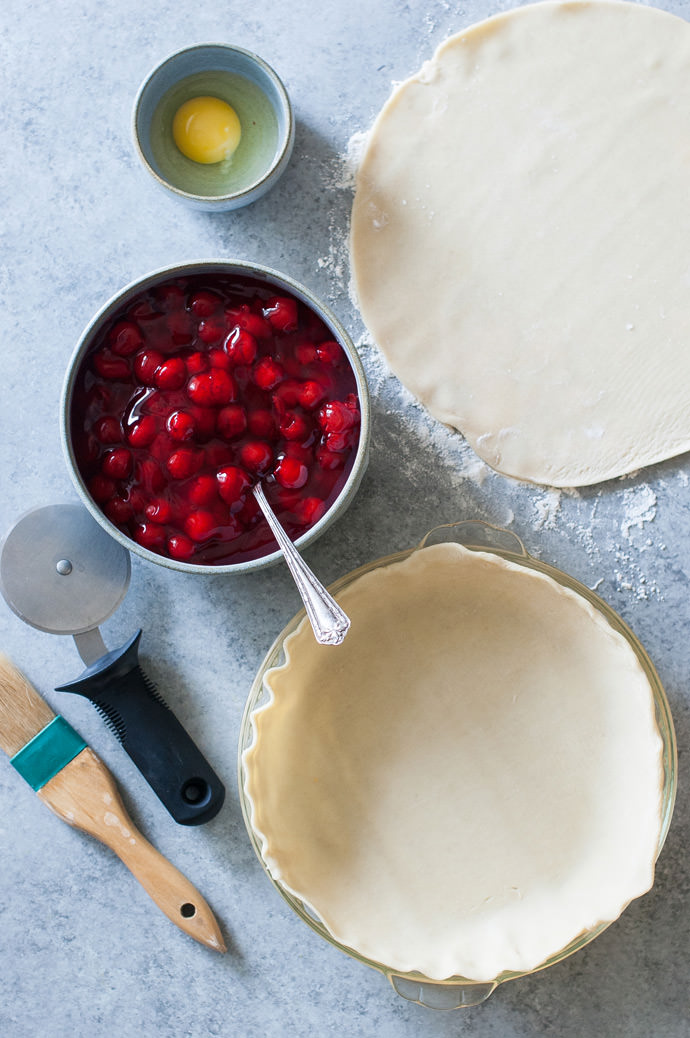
60 572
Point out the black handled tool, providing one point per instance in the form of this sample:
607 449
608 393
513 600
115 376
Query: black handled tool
62 573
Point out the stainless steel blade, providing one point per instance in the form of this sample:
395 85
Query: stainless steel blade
60 572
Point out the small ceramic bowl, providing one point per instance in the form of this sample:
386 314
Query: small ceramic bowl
257 95
94 394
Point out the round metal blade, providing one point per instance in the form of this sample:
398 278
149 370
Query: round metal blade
61 572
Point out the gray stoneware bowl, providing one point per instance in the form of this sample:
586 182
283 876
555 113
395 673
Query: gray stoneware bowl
271 279
248 85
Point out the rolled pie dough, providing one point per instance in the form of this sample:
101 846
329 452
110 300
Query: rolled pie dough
471 780
520 238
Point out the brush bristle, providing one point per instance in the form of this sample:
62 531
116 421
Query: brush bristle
23 713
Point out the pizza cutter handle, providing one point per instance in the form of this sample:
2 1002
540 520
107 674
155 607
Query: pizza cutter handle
160 747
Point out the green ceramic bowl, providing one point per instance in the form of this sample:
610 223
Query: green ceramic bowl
248 85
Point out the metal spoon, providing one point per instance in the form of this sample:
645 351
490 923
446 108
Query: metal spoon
328 621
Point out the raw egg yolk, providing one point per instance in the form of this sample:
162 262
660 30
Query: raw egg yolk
206 129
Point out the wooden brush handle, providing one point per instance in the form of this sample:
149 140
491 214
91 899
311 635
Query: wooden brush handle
84 795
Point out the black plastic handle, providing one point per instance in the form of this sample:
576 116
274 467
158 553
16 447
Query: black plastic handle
160 747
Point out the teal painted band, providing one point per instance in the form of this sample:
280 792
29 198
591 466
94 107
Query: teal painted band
48 753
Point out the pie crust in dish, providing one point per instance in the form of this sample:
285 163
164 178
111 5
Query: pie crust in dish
519 238
471 780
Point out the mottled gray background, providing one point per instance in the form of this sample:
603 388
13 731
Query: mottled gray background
82 950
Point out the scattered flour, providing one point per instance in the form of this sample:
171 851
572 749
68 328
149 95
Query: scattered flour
336 261
547 509
351 160
340 175
639 505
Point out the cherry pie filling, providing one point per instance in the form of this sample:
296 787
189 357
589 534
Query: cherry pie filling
195 390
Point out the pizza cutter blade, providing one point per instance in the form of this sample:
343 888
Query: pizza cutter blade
61 573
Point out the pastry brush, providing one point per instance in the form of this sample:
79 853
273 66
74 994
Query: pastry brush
68 776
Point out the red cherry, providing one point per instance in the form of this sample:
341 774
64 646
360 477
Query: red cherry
292 449
108 430
250 512
109 366
340 441
171 375
233 483
256 456
184 462
159 510
125 338
336 417
232 421
240 346
101 488
311 394
262 424
150 535
137 499
281 311
287 393
329 460
181 426
258 326
294 426
169 296
219 454
211 330
291 473
202 490
146 364
200 525
205 419
305 353
203 303
143 432
117 463
268 373
147 472
180 547
213 388
309 510
118 510
181 327
329 352
285 499
155 402
196 362
219 359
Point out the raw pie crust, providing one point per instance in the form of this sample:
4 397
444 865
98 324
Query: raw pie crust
520 238
471 780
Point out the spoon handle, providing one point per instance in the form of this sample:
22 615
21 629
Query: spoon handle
329 622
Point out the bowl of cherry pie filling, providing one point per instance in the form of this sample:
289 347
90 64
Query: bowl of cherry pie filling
195 383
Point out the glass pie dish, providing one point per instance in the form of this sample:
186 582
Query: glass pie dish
457 991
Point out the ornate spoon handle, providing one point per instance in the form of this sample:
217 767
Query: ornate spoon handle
329 622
